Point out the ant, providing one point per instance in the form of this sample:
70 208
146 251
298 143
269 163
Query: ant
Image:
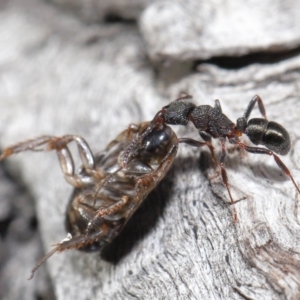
211 123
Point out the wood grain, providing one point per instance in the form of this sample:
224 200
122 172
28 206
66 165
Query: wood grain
60 75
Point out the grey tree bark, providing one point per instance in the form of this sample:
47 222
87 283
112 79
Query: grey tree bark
61 74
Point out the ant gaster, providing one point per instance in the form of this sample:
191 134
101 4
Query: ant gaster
211 122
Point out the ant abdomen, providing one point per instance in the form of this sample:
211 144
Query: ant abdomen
270 134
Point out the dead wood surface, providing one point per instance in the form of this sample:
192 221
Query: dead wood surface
60 75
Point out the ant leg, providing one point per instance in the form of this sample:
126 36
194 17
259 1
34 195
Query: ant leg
48 143
280 164
225 177
195 143
207 138
184 97
254 100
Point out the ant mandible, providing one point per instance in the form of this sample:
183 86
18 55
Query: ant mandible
211 122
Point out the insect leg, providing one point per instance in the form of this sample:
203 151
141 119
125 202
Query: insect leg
67 163
280 164
48 143
112 208
254 100
225 177
184 97
195 143
105 211
207 138
163 167
67 244
37 144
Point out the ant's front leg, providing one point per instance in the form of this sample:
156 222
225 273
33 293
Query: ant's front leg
59 144
195 143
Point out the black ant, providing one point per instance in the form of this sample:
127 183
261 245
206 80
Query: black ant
211 122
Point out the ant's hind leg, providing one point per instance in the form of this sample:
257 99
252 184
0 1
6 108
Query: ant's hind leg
59 144
254 100
280 164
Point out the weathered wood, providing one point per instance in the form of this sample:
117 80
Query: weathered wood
20 243
61 76
192 29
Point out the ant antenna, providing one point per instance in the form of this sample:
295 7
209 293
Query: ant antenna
184 96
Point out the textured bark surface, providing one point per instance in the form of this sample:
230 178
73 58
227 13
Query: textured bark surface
192 29
60 75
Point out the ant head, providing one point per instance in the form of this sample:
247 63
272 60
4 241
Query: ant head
177 112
